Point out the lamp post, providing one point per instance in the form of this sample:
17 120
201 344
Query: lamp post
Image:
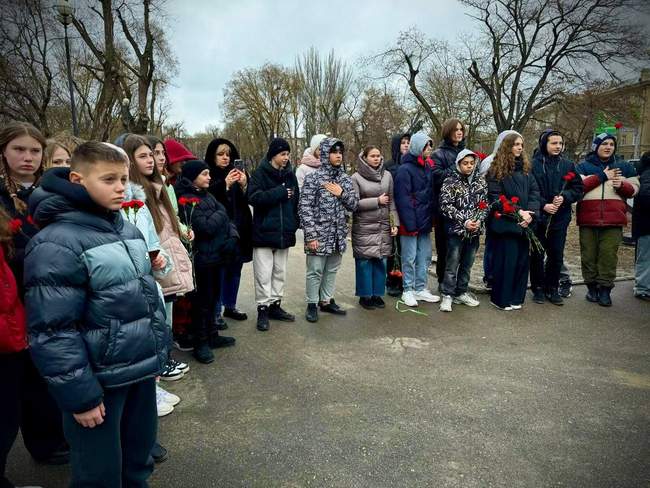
64 8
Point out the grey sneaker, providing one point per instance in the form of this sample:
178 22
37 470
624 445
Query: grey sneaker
467 299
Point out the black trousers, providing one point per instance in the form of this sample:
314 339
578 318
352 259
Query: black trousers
26 405
441 239
547 275
116 453
204 300
510 269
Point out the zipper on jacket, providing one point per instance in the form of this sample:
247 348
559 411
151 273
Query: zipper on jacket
282 222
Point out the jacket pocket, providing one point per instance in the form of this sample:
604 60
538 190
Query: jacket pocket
110 341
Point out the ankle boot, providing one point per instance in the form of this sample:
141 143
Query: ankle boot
312 313
604 298
202 352
263 318
276 312
592 293
538 295
554 297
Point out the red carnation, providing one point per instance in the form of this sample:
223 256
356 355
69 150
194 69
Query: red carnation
481 155
126 204
194 200
482 205
497 215
618 125
515 199
30 220
137 204
569 176
15 225
508 208
502 198
182 201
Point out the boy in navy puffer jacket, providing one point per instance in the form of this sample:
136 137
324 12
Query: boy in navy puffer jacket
95 317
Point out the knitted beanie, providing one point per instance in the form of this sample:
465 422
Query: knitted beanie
599 139
277 146
193 168
177 152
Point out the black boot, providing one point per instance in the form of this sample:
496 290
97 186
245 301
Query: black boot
604 298
276 312
235 314
332 308
554 297
367 303
202 352
220 323
263 318
592 293
378 302
538 295
216 341
312 313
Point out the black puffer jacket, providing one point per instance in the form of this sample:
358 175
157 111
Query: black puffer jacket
235 199
396 154
518 184
27 231
95 316
641 212
215 237
275 215
549 172
444 158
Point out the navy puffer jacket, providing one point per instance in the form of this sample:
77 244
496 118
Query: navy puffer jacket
95 317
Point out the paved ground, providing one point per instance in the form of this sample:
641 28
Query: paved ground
547 396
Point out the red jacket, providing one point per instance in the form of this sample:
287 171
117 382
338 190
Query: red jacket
13 336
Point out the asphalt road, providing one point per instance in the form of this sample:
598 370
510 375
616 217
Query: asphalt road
546 396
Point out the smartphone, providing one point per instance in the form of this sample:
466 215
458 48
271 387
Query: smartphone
239 164
153 254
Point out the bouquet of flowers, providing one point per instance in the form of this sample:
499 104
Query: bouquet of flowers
132 205
511 211
567 178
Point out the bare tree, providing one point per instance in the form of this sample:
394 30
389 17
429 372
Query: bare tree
407 59
325 84
27 67
535 49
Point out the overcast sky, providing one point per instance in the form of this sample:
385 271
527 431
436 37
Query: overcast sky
214 39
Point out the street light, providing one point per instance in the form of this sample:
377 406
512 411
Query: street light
64 8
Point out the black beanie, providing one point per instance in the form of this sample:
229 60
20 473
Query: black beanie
193 168
276 147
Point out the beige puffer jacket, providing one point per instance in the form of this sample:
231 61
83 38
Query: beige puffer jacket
180 280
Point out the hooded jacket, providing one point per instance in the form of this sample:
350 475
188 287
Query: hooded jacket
518 184
414 196
308 164
549 172
13 335
323 216
641 211
396 153
235 200
371 222
485 164
602 204
444 159
215 238
275 215
94 313
460 196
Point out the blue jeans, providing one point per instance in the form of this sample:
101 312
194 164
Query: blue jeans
370 277
416 257
230 277
460 258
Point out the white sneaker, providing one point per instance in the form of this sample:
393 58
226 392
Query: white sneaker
467 299
445 306
162 406
409 300
507 309
167 397
516 307
426 296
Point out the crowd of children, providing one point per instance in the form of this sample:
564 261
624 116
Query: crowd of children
112 253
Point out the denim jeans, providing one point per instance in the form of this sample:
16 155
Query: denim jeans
642 266
321 277
230 277
416 257
370 277
460 258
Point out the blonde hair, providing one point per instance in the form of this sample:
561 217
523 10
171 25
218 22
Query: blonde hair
48 154
222 149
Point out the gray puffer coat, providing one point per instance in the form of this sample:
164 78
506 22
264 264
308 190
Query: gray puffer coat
324 216
371 221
